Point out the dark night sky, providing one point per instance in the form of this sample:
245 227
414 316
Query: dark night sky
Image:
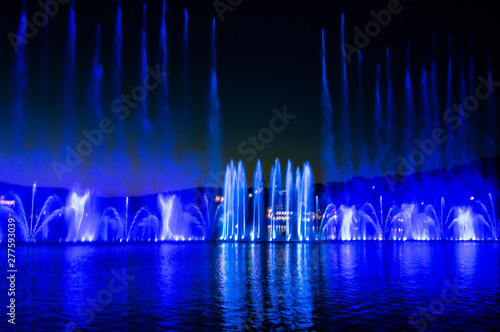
268 56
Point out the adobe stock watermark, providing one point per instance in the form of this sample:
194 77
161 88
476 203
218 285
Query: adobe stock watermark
221 7
40 19
103 298
454 116
123 107
425 315
257 143
372 29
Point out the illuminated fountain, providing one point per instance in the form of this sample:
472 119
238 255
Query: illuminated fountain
350 223
293 213
408 223
234 213
465 223
290 212
77 221
179 224
11 207
291 208
258 218
145 227
172 222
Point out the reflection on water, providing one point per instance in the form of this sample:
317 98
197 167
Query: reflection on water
252 286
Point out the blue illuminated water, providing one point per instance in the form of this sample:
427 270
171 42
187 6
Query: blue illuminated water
345 120
327 142
214 132
255 287
296 210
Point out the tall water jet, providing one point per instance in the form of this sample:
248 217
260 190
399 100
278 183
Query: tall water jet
235 203
494 219
185 46
462 147
67 91
471 85
327 142
126 217
242 201
275 198
449 97
117 75
362 148
20 86
163 104
472 140
117 56
316 220
298 188
95 88
185 40
45 67
94 91
409 131
166 206
378 121
258 222
214 132
144 69
185 114
75 212
32 208
425 109
434 102
381 212
390 104
491 115
228 203
305 203
345 129
290 200
347 227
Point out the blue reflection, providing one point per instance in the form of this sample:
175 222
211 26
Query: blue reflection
266 286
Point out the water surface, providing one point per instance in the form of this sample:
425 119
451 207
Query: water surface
258 286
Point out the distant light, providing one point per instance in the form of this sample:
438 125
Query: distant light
373 187
472 198
250 195
10 203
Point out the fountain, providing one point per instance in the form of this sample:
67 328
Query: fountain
327 145
466 223
258 218
350 224
292 207
214 111
408 223
235 202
